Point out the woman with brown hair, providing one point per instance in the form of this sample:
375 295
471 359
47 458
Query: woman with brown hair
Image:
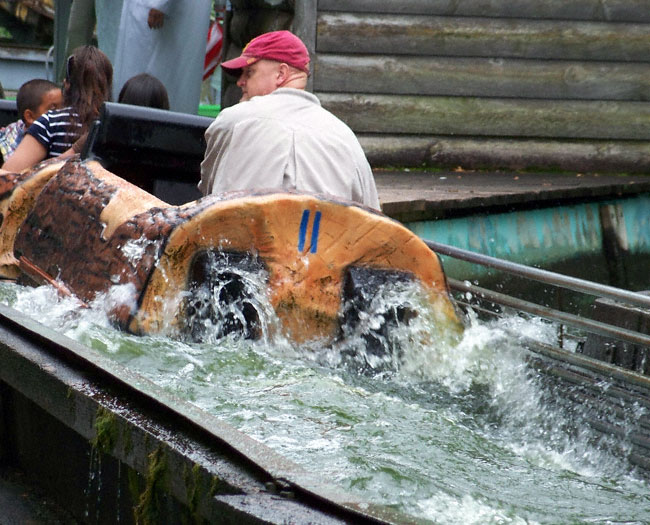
61 133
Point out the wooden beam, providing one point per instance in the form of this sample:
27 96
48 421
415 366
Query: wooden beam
481 37
485 77
491 117
595 10
506 153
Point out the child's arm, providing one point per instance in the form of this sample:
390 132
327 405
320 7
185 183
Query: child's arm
29 152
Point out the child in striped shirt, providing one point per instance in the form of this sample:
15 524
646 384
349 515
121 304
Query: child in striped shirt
62 132
34 98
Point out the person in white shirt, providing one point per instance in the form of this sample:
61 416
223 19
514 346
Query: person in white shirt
167 39
279 135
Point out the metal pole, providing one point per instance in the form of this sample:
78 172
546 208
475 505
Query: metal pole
544 276
554 315
61 18
304 25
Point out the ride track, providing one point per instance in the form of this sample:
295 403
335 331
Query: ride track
186 462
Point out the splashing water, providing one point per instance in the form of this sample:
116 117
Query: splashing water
231 298
446 427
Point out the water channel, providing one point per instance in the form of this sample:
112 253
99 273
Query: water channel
454 430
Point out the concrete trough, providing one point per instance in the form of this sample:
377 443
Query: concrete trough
109 446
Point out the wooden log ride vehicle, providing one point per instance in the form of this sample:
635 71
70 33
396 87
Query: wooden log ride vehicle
76 225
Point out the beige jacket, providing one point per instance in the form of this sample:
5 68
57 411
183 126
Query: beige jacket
285 140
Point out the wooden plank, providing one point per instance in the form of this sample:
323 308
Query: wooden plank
481 37
595 10
506 153
485 77
491 117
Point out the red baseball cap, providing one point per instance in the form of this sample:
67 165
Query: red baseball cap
281 46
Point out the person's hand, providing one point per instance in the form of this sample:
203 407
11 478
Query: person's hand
156 19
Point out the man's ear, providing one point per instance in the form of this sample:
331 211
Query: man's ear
28 117
283 74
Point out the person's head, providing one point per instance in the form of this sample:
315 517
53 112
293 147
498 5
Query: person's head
36 97
144 90
88 82
268 62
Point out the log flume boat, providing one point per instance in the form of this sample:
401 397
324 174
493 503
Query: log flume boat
76 225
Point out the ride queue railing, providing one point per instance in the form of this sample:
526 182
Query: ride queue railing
554 279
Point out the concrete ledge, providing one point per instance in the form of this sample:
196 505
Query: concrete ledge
129 451
425 195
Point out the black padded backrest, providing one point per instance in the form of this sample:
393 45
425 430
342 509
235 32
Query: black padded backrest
152 148
8 112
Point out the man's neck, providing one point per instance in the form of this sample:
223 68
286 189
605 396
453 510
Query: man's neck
296 81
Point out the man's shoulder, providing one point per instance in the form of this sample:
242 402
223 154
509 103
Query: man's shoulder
257 108
229 117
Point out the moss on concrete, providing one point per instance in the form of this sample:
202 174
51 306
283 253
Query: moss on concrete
193 486
106 431
149 509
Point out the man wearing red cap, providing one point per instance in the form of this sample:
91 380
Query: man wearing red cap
279 136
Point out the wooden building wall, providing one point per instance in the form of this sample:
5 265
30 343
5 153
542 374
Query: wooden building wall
486 83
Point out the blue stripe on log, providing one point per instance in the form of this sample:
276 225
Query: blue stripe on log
302 234
314 232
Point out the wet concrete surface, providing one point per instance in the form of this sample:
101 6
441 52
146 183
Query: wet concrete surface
421 195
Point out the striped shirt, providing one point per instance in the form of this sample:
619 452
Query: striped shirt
52 130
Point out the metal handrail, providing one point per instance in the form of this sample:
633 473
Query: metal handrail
576 321
544 276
